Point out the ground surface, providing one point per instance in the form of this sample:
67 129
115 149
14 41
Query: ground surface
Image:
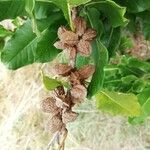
22 122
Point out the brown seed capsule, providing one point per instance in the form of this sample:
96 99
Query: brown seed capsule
84 48
48 105
69 38
79 92
80 25
63 69
61 30
54 124
69 116
86 71
89 34
74 78
60 45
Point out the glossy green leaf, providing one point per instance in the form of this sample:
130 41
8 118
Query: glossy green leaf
21 49
125 43
43 10
118 103
29 6
45 50
144 66
114 41
144 16
11 9
50 84
100 56
135 6
112 10
66 5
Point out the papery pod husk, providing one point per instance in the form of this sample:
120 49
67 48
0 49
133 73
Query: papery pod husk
63 69
86 71
78 92
54 124
60 45
61 101
84 48
74 78
69 116
70 38
60 31
48 105
80 26
89 34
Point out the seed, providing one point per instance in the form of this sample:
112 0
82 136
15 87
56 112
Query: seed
69 116
79 92
86 71
54 124
63 69
48 105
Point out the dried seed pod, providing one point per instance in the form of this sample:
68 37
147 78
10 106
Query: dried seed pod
72 55
84 48
74 78
86 71
63 69
60 45
54 124
89 34
69 38
48 105
61 30
80 25
61 101
79 92
69 116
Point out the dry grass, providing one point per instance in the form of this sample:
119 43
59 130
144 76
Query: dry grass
22 122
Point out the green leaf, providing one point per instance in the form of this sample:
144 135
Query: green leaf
78 2
135 6
1 44
81 60
29 6
144 100
112 10
144 95
66 5
146 107
118 103
125 43
43 10
21 49
145 23
136 63
99 54
114 41
45 50
10 9
4 32
50 84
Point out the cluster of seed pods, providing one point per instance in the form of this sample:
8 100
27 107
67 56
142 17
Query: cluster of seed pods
61 104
